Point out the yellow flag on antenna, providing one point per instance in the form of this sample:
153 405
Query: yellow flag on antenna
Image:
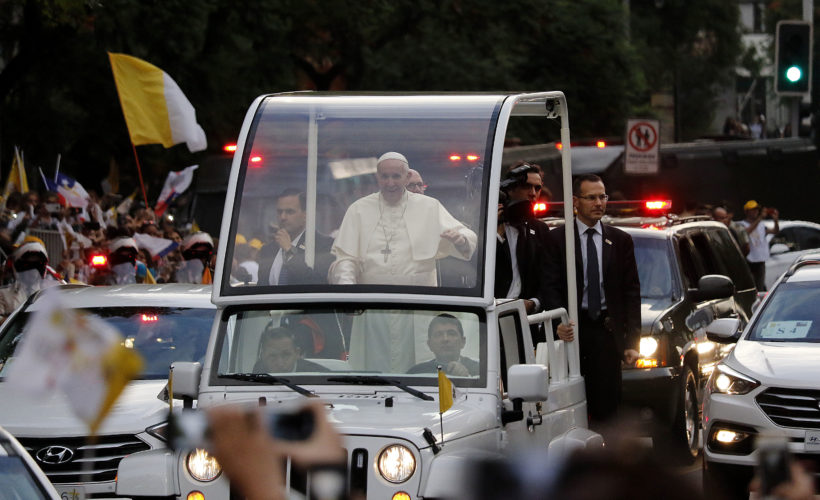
445 392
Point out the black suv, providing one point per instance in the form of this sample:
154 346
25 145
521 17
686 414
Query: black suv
691 272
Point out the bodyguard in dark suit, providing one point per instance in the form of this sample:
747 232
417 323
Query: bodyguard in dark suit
521 239
608 296
282 261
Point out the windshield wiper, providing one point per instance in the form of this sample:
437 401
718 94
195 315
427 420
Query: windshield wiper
376 380
268 379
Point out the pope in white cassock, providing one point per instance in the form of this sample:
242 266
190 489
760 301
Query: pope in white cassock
394 237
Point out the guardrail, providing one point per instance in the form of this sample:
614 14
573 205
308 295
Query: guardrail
563 358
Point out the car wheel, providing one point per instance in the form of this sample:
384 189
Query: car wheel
686 429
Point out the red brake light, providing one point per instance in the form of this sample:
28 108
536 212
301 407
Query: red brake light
229 148
539 207
455 157
559 146
98 260
601 144
658 204
149 318
472 157
255 161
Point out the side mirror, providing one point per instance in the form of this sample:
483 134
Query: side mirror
712 286
779 248
723 330
186 379
528 383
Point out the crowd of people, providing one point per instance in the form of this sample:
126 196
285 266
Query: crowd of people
109 241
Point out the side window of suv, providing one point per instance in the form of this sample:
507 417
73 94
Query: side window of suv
690 264
712 265
787 237
731 259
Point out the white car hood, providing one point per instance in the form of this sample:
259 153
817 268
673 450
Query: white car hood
407 419
136 409
782 364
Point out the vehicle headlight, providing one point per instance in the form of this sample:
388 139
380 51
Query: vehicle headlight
396 463
202 465
648 346
725 380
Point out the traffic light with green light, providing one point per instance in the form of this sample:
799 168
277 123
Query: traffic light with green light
793 57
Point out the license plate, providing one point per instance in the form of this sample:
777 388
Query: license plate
71 492
813 441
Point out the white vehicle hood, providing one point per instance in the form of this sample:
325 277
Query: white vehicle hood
407 419
782 364
136 409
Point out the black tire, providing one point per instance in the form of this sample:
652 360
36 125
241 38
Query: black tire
685 438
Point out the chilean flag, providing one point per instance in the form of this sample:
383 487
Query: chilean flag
72 191
175 184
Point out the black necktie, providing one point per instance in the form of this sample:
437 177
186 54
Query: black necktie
593 278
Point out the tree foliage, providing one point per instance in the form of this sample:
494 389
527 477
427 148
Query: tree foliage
57 93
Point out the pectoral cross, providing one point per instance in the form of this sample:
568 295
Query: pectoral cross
386 251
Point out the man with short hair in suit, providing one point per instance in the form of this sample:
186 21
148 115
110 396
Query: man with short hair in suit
609 296
521 241
279 352
445 337
282 261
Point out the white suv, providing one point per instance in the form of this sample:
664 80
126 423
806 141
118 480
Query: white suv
166 323
770 383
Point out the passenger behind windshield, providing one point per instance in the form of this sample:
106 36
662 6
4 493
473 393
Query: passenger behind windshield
280 353
394 236
282 261
445 337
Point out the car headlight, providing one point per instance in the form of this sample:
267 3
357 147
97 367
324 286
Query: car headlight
725 380
648 346
396 463
202 465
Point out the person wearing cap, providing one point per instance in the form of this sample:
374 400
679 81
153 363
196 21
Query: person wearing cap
29 263
394 237
197 249
122 262
282 261
758 246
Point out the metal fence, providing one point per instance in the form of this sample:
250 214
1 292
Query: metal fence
53 242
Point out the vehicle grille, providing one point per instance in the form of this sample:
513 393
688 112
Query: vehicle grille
791 407
88 462
298 481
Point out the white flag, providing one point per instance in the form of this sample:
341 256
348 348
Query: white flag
77 353
175 184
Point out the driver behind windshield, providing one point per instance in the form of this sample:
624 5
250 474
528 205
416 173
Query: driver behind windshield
445 337
280 353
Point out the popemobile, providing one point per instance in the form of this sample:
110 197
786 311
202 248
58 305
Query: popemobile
379 288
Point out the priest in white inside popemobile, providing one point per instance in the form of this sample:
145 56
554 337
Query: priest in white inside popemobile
394 237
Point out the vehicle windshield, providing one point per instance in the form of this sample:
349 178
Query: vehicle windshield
654 268
790 315
17 479
326 220
162 335
336 345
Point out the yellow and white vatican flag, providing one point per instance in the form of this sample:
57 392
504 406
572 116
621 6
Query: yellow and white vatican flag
156 111
17 180
74 352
